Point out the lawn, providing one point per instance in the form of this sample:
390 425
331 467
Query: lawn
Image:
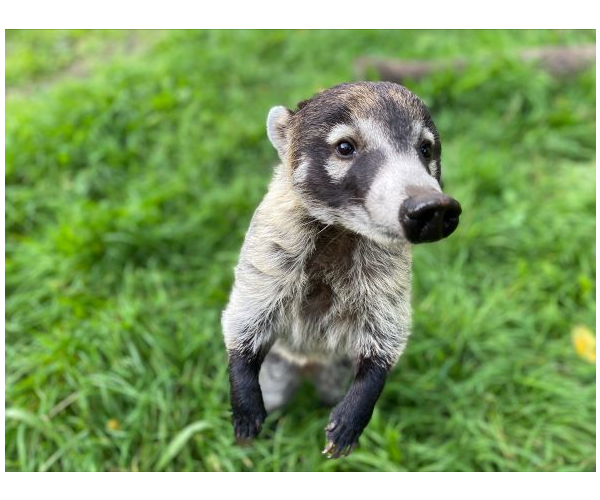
134 162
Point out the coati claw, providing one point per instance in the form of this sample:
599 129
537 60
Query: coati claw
328 449
334 452
331 426
342 436
246 429
349 449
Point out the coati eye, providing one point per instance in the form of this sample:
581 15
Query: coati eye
344 148
425 149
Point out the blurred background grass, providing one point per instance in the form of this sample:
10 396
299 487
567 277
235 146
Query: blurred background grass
134 161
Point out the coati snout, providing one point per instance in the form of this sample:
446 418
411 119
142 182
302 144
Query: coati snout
429 217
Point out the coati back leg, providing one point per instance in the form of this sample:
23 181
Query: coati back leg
279 379
331 380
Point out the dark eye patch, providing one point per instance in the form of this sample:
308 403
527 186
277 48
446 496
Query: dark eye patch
429 151
357 181
352 188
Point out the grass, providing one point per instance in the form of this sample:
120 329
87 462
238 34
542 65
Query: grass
128 193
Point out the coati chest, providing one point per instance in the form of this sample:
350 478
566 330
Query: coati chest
328 271
349 284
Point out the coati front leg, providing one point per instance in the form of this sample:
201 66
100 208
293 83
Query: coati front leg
352 414
249 339
247 406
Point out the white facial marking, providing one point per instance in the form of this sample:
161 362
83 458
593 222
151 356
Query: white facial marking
367 135
301 171
339 132
373 135
396 179
433 167
428 135
337 168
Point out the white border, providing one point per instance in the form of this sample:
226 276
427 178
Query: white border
249 486
375 14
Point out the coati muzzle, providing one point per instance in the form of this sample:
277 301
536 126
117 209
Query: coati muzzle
429 217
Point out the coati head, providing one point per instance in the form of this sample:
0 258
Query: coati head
367 156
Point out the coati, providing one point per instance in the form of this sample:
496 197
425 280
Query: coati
322 287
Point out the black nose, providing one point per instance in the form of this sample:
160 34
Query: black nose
429 217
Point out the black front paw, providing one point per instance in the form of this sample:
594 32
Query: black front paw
247 423
342 433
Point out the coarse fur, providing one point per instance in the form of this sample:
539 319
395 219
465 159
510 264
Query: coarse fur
322 291
324 274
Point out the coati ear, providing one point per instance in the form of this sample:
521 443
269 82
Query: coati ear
277 122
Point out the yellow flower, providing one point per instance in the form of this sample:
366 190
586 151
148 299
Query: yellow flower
113 424
584 343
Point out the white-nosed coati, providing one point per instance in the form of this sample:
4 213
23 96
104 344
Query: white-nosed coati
322 286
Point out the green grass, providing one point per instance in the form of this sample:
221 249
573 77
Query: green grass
128 193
